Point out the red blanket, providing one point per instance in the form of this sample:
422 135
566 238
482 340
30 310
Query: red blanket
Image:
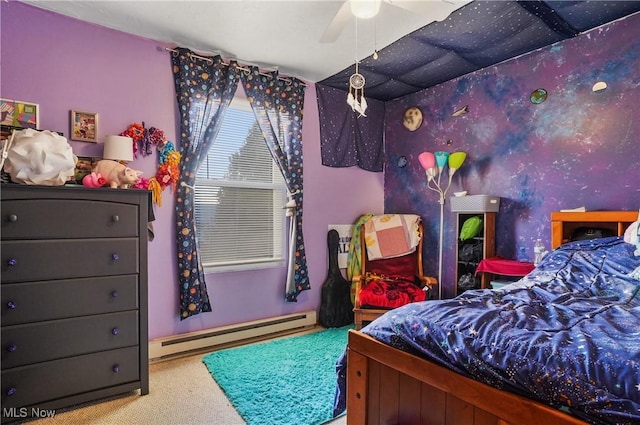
391 293
499 265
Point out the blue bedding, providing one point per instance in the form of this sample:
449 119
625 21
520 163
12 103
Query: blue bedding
567 334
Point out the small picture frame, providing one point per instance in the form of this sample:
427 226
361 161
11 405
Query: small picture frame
84 126
84 166
15 113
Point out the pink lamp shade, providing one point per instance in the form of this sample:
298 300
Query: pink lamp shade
427 160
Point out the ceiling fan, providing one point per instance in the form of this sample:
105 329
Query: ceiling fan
432 10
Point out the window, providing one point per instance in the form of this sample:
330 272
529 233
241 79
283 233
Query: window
239 195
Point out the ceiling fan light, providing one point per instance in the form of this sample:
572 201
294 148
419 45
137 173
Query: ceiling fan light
365 9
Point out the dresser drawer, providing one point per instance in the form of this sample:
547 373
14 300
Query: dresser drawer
39 342
67 219
70 258
59 299
28 385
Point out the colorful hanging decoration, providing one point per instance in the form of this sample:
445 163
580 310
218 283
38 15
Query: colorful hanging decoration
168 158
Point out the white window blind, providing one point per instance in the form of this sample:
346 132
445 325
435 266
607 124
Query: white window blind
239 195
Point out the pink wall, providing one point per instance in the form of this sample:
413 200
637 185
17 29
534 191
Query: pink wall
64 64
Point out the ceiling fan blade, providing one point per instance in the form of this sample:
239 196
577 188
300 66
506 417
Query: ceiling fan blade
338 23
437 10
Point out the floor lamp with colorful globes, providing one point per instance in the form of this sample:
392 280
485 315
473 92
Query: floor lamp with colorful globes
434 165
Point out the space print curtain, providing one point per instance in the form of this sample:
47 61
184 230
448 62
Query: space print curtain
204 90
277 104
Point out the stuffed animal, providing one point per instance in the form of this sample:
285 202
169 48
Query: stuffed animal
93 180
117 175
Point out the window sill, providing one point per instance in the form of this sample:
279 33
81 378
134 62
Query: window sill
244 267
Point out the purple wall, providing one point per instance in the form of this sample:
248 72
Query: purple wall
63 64
577 148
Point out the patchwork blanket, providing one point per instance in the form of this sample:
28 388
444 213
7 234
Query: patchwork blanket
391 235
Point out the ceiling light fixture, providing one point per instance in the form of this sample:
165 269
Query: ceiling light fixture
365 9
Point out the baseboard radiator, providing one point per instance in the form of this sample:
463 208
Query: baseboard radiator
228 336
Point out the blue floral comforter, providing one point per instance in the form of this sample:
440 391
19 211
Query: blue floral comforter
567 334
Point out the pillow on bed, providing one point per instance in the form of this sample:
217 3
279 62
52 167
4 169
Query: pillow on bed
631 234
637 251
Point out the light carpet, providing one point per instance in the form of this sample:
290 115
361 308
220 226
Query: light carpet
285 381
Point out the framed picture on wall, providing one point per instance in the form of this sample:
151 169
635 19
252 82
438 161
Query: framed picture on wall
16 113
84 126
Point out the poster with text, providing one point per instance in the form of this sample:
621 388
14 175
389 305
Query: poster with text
344 231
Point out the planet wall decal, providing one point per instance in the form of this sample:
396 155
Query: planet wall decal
538 96
412 119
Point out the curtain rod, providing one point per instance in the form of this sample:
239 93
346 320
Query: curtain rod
246 70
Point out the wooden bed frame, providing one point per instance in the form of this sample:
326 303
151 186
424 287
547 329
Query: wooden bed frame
389 386
564 223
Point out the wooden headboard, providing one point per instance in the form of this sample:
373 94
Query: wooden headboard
564 223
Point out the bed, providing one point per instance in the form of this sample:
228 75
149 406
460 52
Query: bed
560 346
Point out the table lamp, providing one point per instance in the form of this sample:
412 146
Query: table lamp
118 148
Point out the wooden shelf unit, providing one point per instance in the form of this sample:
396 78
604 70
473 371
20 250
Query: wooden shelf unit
487 237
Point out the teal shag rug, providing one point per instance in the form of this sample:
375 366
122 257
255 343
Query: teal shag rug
283 381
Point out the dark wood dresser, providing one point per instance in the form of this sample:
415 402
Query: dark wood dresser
74 296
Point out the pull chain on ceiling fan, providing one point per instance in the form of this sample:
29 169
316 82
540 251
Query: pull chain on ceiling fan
355 97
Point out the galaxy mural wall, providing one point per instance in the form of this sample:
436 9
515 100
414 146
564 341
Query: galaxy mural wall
538 132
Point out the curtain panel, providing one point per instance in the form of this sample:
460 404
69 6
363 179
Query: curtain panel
204 90
278 107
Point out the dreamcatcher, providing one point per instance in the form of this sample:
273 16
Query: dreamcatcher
355 98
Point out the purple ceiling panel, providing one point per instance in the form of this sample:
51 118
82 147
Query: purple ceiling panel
478 35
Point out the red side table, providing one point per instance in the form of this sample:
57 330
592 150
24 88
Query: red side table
501 266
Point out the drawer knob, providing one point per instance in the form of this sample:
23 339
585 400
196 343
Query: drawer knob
114 294
116 368
115 331
11 305
115 257
12 261
11 391
115 219
11 348
13 217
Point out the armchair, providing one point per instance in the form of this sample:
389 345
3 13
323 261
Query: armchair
387 283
